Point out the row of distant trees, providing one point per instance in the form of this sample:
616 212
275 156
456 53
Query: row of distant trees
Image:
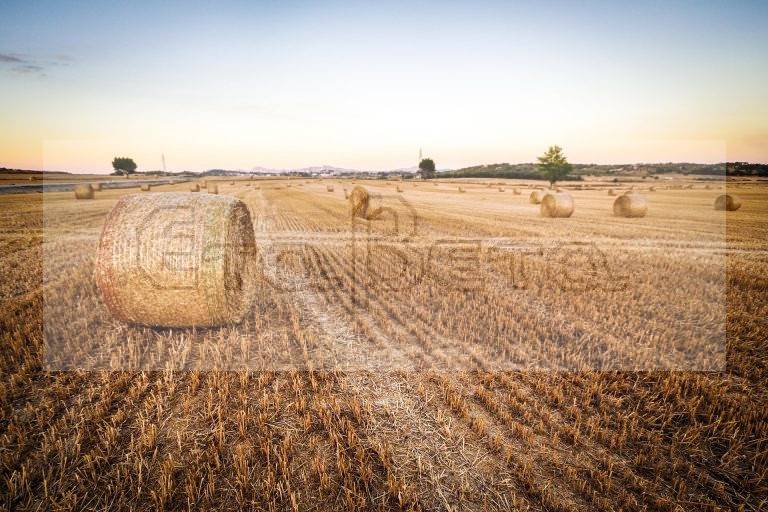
553 166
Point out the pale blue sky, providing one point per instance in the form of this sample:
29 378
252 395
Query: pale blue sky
360 84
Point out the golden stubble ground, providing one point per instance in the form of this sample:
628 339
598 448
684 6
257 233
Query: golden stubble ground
461 352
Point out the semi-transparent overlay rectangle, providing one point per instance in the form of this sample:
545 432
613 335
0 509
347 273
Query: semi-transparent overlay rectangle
439 279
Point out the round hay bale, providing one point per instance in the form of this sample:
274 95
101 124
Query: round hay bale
630 205
213 188
611 192
359 201
203 184
177 260
194 187
501 189
707 186
461 189
536 196
398 188
231 182
329 188
557 205
727 202
145 187
651 189
84 191
96 187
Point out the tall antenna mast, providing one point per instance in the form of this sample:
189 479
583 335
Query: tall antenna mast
419 155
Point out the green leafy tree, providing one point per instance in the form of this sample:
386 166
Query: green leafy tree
553 165
427 168
123 165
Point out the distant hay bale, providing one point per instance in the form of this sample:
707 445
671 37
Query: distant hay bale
231 182
536 196
145 187
359 201
727 202
501 189
177 260
461 189
651 189
707 186
398 188
84 191
329 188
213 188
194 187
203 184
96 187
557 205
516 191
611 192
630 205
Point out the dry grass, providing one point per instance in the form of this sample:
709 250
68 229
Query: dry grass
343 391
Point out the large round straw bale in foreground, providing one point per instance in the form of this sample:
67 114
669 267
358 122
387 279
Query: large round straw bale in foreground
145 187
84 191
194 187
536 196
213 188
177 260
630 205
728 202
359 201
557 204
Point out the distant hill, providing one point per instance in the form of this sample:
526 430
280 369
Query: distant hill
529 171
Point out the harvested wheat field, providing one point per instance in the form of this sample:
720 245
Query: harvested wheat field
457 352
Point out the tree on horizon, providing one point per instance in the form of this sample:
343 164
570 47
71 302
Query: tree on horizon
553 165
123 165
427 168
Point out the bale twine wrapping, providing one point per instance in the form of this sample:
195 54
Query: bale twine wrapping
213 188
194 187
145 187
536 196
177 260
557 205
631 205
84 191
329 188
727 202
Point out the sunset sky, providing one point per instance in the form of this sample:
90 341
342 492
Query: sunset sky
366 84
